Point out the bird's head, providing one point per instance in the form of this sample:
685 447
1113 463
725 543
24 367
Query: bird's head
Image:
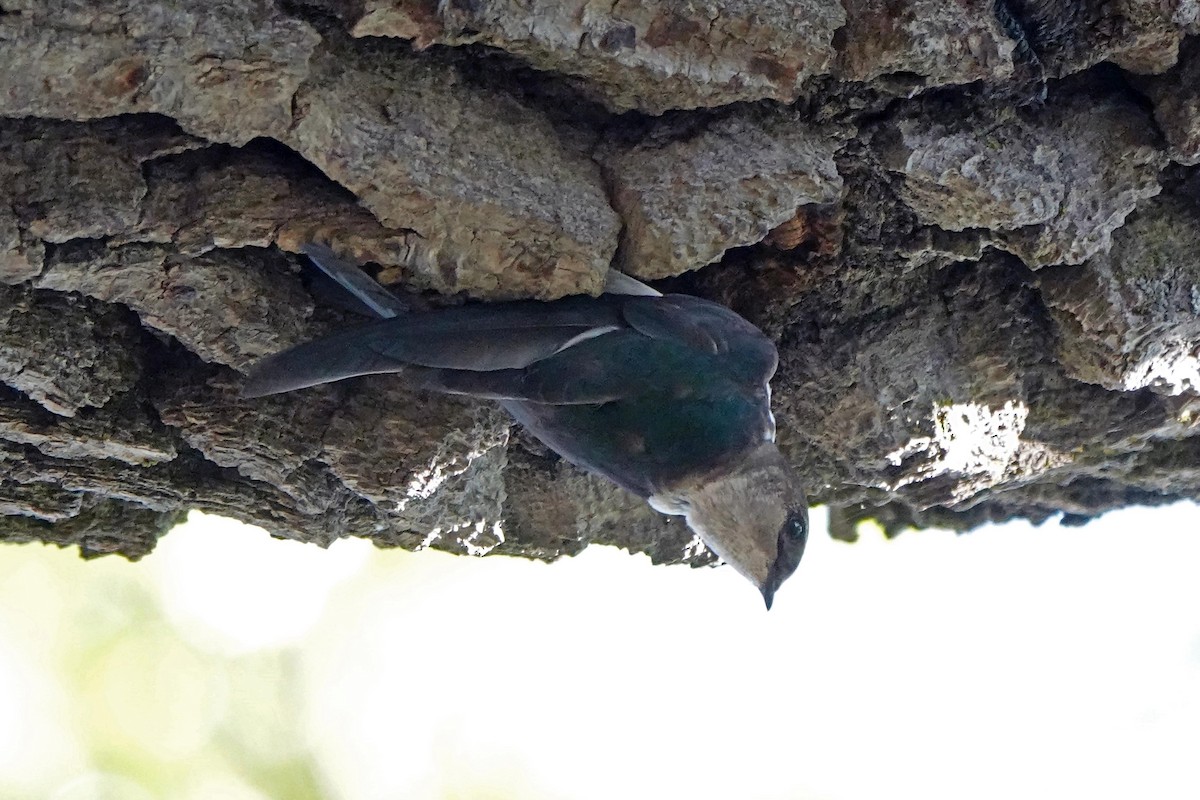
755 517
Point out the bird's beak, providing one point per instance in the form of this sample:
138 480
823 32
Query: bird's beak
776 575
768 593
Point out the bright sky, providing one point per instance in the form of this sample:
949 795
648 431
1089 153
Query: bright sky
1012 662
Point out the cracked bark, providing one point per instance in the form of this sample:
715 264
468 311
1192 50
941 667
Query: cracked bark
987 306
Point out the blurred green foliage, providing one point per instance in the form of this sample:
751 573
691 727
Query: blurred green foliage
106 697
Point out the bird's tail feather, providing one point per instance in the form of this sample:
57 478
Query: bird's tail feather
322 361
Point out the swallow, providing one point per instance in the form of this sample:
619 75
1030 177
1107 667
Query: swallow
667 396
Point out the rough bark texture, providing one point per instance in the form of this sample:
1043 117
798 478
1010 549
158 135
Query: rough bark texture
973 228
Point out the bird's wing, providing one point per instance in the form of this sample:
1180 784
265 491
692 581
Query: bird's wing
618 282
603 372
483 338
504 350
707 327
358 290
550 382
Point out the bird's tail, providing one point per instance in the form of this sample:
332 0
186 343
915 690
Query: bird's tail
325 360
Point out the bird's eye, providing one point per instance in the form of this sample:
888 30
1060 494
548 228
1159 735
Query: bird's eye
797 528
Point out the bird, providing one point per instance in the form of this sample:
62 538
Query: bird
665 395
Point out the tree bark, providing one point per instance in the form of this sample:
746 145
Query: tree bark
972 227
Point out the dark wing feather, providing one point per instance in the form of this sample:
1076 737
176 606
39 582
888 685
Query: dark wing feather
354 288
484 338
596 371
522 385
707 327
490 337
504 351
